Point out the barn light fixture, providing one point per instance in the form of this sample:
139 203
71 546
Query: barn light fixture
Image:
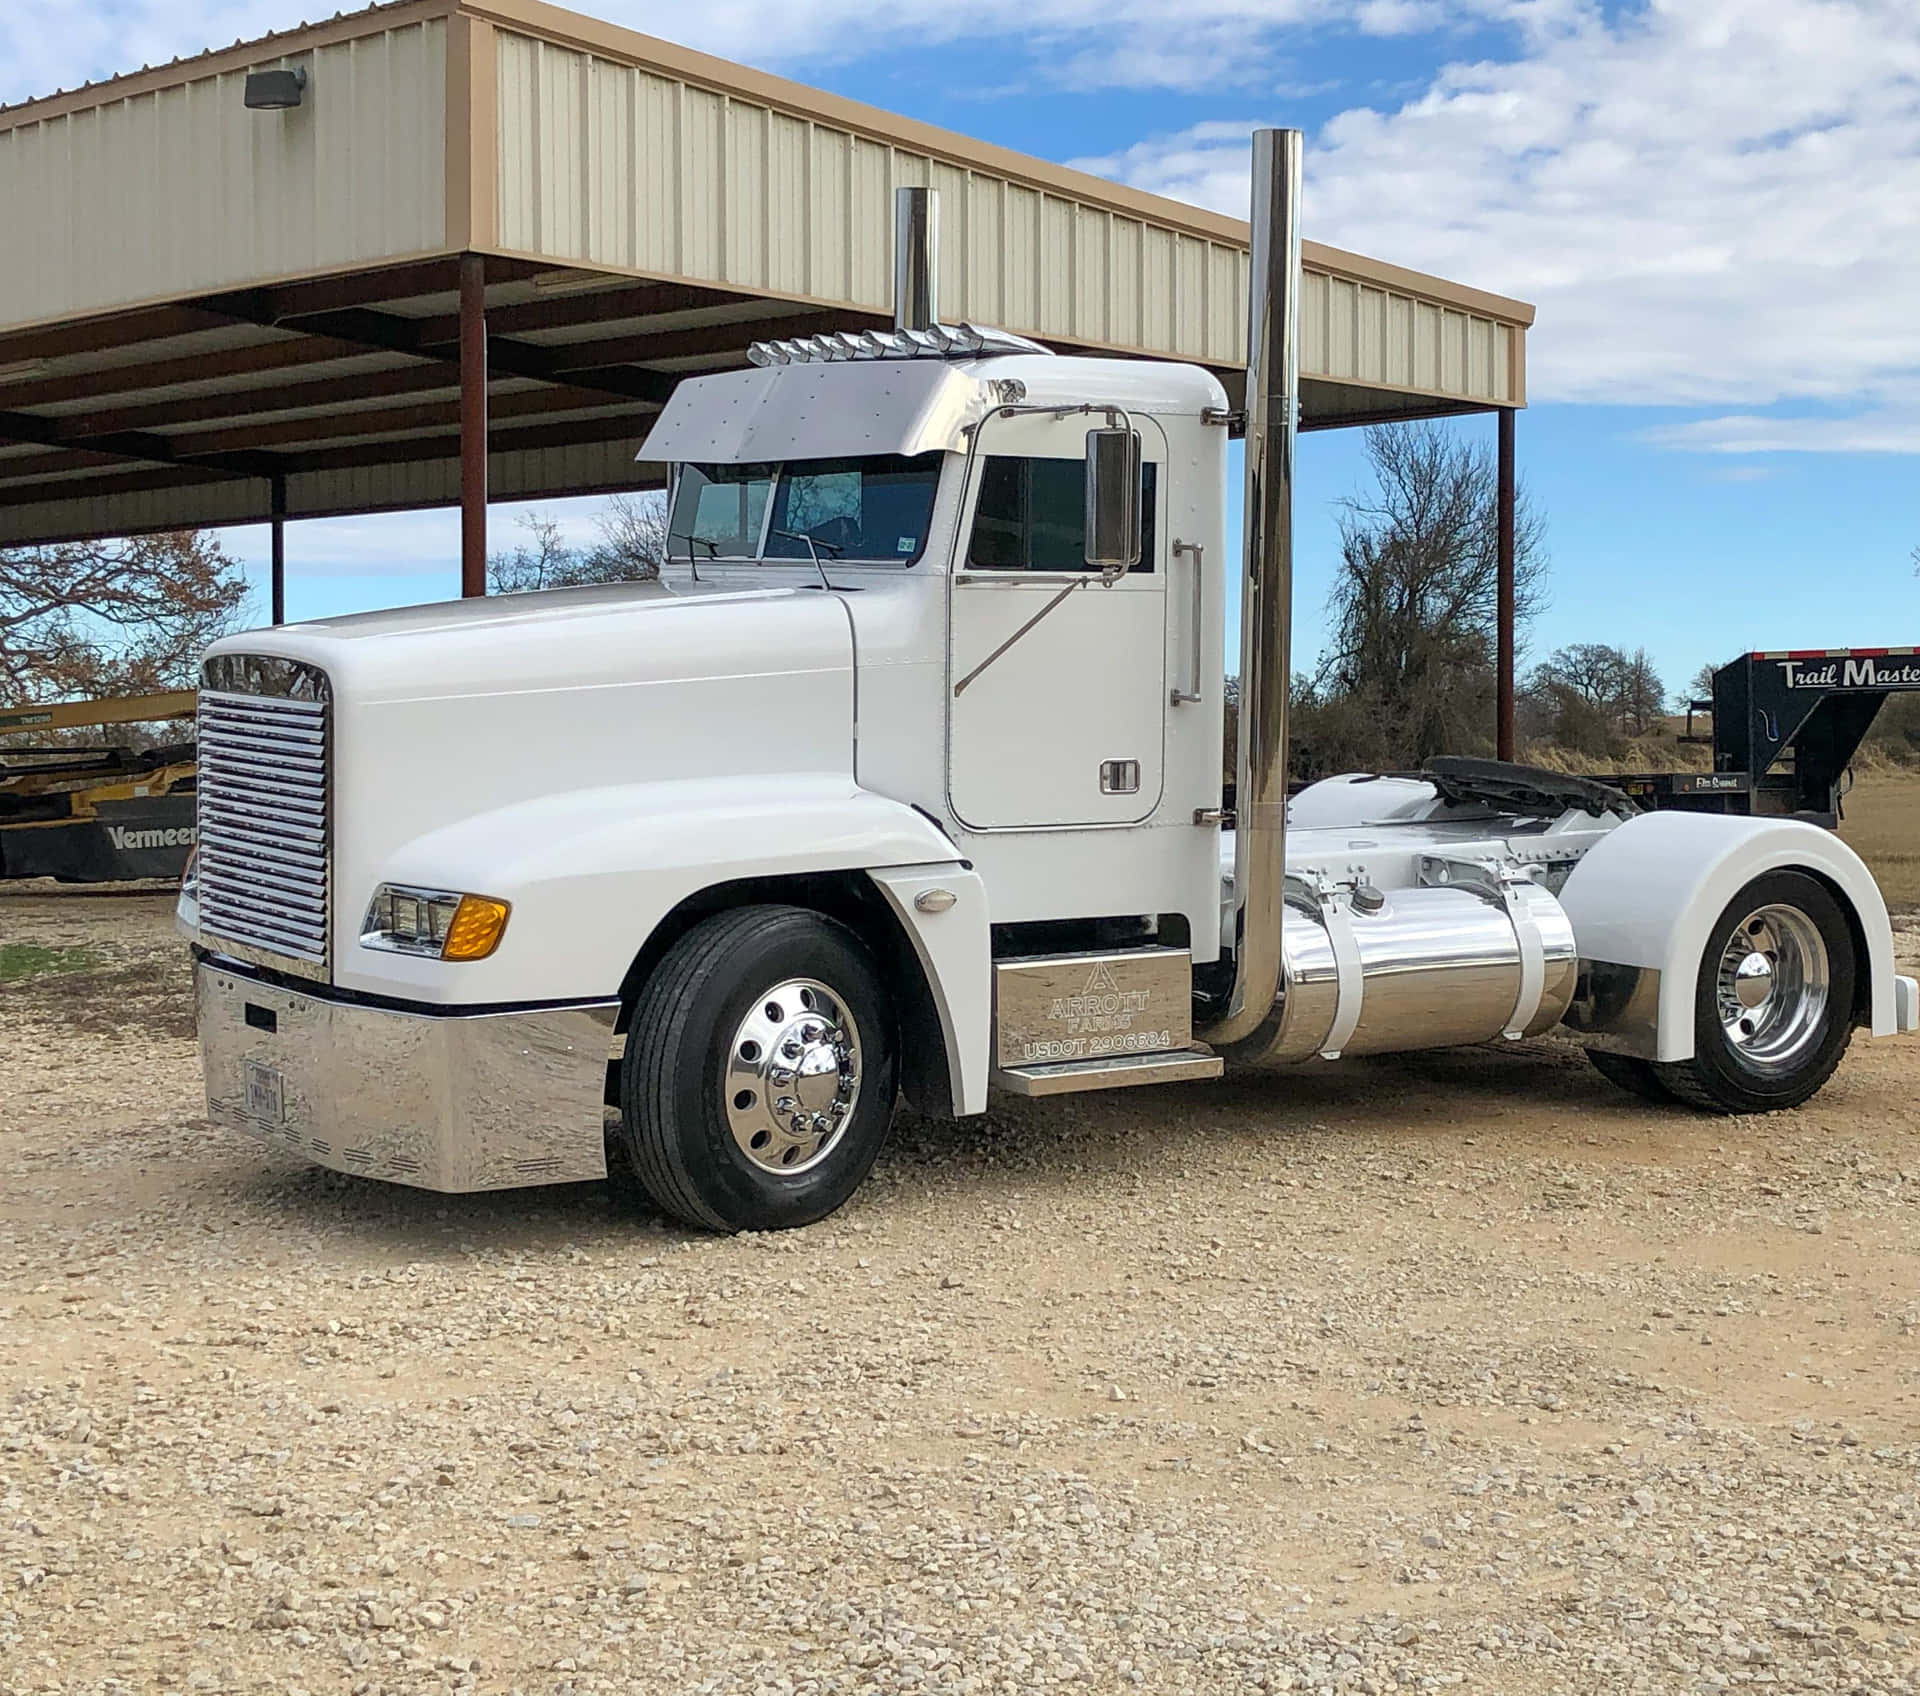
276 91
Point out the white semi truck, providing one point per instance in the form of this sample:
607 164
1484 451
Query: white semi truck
908 778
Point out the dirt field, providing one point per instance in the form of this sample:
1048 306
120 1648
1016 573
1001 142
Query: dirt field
1883 825
1456 1371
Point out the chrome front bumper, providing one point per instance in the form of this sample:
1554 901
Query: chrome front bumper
481 1101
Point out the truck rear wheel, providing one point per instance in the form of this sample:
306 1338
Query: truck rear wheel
1773 1009
760 1071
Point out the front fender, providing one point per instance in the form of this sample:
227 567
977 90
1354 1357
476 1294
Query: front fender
953 945
591 872
1647 895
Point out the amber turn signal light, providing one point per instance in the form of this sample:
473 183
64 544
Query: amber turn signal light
478 925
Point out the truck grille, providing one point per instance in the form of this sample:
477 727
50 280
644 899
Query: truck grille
264 843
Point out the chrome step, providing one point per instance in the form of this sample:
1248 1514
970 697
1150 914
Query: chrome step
1118 1071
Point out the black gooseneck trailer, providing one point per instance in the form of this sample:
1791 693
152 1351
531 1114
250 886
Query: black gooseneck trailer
1786 727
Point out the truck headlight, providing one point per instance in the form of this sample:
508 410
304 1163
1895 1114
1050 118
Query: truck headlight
440 924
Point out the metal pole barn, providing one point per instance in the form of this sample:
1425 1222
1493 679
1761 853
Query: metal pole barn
155 374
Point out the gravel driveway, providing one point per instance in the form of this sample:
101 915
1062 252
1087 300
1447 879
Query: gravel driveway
1451 1371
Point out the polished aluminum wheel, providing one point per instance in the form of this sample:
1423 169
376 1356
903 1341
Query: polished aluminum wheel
793 1076
1772 988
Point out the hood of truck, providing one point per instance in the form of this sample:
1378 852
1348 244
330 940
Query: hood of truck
444 713
578 637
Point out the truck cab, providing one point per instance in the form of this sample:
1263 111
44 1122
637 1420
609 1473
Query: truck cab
906 777
1062 722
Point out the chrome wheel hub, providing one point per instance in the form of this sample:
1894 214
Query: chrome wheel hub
793 1076
1771 990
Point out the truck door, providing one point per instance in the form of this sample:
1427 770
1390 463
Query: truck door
1066 726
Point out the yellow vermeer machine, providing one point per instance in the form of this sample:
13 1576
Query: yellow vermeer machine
91 812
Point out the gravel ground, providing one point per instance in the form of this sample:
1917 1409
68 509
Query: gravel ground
1453 1371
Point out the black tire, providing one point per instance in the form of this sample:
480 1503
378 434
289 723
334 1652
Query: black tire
674 1107
1722 1077
1632 1074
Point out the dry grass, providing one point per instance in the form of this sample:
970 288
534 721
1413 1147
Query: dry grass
1661 749
1882 825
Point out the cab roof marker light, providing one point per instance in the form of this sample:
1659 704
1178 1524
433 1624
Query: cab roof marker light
941 341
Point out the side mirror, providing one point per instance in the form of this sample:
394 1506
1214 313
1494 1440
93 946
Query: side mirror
1113 499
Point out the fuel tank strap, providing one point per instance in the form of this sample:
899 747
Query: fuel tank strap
1352 975
1518 895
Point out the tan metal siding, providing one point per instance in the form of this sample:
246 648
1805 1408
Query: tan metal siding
1352 332
720 189
593 468
124 515
181 189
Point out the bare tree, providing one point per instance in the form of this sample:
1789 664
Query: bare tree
1643 697
1700 688
633 535
540 562
633 542
92 620
1409 670
1591 697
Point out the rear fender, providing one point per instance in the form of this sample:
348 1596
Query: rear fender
1645 897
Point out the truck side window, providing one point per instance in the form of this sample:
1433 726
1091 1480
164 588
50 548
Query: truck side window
1031 515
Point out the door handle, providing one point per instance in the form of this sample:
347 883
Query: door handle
1190 697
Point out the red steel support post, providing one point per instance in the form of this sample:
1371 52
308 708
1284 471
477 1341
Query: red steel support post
1504 656
278 508
473 424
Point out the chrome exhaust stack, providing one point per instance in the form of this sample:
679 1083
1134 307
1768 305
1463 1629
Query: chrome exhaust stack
1266 592
916 259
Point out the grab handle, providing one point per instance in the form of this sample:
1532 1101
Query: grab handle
1188 697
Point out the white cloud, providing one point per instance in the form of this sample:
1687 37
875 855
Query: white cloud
1181 44
1879 430
1712 202
49 43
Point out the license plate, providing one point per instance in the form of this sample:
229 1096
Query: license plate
266 1094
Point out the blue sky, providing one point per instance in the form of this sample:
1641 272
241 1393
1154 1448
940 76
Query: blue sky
1714 203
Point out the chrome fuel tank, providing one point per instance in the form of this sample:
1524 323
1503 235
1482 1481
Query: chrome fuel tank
1477 952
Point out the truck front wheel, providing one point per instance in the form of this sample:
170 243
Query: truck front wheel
1773 1009
760 1071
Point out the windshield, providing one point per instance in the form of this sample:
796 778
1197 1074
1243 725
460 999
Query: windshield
875 508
